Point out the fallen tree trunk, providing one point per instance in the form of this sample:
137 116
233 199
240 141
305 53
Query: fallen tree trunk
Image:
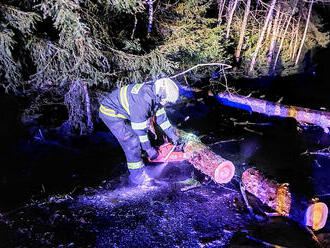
316 117
202 158
271 193
278 197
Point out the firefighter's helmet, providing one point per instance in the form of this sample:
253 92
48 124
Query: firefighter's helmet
167 90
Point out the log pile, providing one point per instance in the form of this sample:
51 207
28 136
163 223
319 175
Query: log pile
202 158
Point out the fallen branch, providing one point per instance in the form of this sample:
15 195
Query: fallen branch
314 236
226 141
242 188
252 123
252 131
322 152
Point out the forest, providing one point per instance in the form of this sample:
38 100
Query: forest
65 54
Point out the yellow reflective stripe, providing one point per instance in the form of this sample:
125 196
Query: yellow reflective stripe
139 125
123 98
165 125
110 112
136 88
135 165
143 138
160 112
107 109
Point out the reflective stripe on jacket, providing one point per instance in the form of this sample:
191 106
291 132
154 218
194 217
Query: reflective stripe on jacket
137 103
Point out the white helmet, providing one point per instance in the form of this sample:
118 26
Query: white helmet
167 89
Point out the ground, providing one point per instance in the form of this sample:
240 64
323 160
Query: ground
74 192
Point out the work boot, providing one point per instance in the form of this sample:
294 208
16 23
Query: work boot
139 177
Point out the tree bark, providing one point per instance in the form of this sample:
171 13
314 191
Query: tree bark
269 28
242 31
305 32
202 158
261 37
88 108
284 34
231 14
278 197
293 33
273 40
134 27
316 117
294 50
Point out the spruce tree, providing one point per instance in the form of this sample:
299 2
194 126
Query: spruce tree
70 52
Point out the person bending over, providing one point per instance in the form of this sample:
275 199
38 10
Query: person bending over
126 111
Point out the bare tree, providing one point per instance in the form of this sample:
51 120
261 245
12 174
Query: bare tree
231 14
274 37
296 35
242 31
284 34
305 32
261 37
221 6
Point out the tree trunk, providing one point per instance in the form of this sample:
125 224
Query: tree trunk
305 32
316 117
278 197
293 33
284 34
88 108
273 40
231 14
202 158
296 39
242 31
261 37
134 27
269 29
220 11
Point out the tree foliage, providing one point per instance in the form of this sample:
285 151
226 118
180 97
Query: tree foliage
50 50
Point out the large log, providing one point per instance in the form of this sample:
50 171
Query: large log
278 197
202 158
271 193
316 117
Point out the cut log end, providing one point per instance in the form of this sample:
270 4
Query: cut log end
316 216
224 172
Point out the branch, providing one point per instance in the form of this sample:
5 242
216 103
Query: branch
323 152
208 64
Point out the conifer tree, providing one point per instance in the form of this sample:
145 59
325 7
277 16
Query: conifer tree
76 54
70 52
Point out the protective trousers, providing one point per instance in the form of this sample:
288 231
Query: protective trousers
128 140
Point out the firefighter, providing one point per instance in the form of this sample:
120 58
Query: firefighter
127 112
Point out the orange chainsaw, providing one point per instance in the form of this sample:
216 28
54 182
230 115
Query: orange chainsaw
168 153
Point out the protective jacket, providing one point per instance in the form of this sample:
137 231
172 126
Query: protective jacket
137 103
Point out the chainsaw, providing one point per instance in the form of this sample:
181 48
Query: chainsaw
169 153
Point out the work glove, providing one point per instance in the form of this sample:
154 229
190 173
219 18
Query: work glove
152 153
